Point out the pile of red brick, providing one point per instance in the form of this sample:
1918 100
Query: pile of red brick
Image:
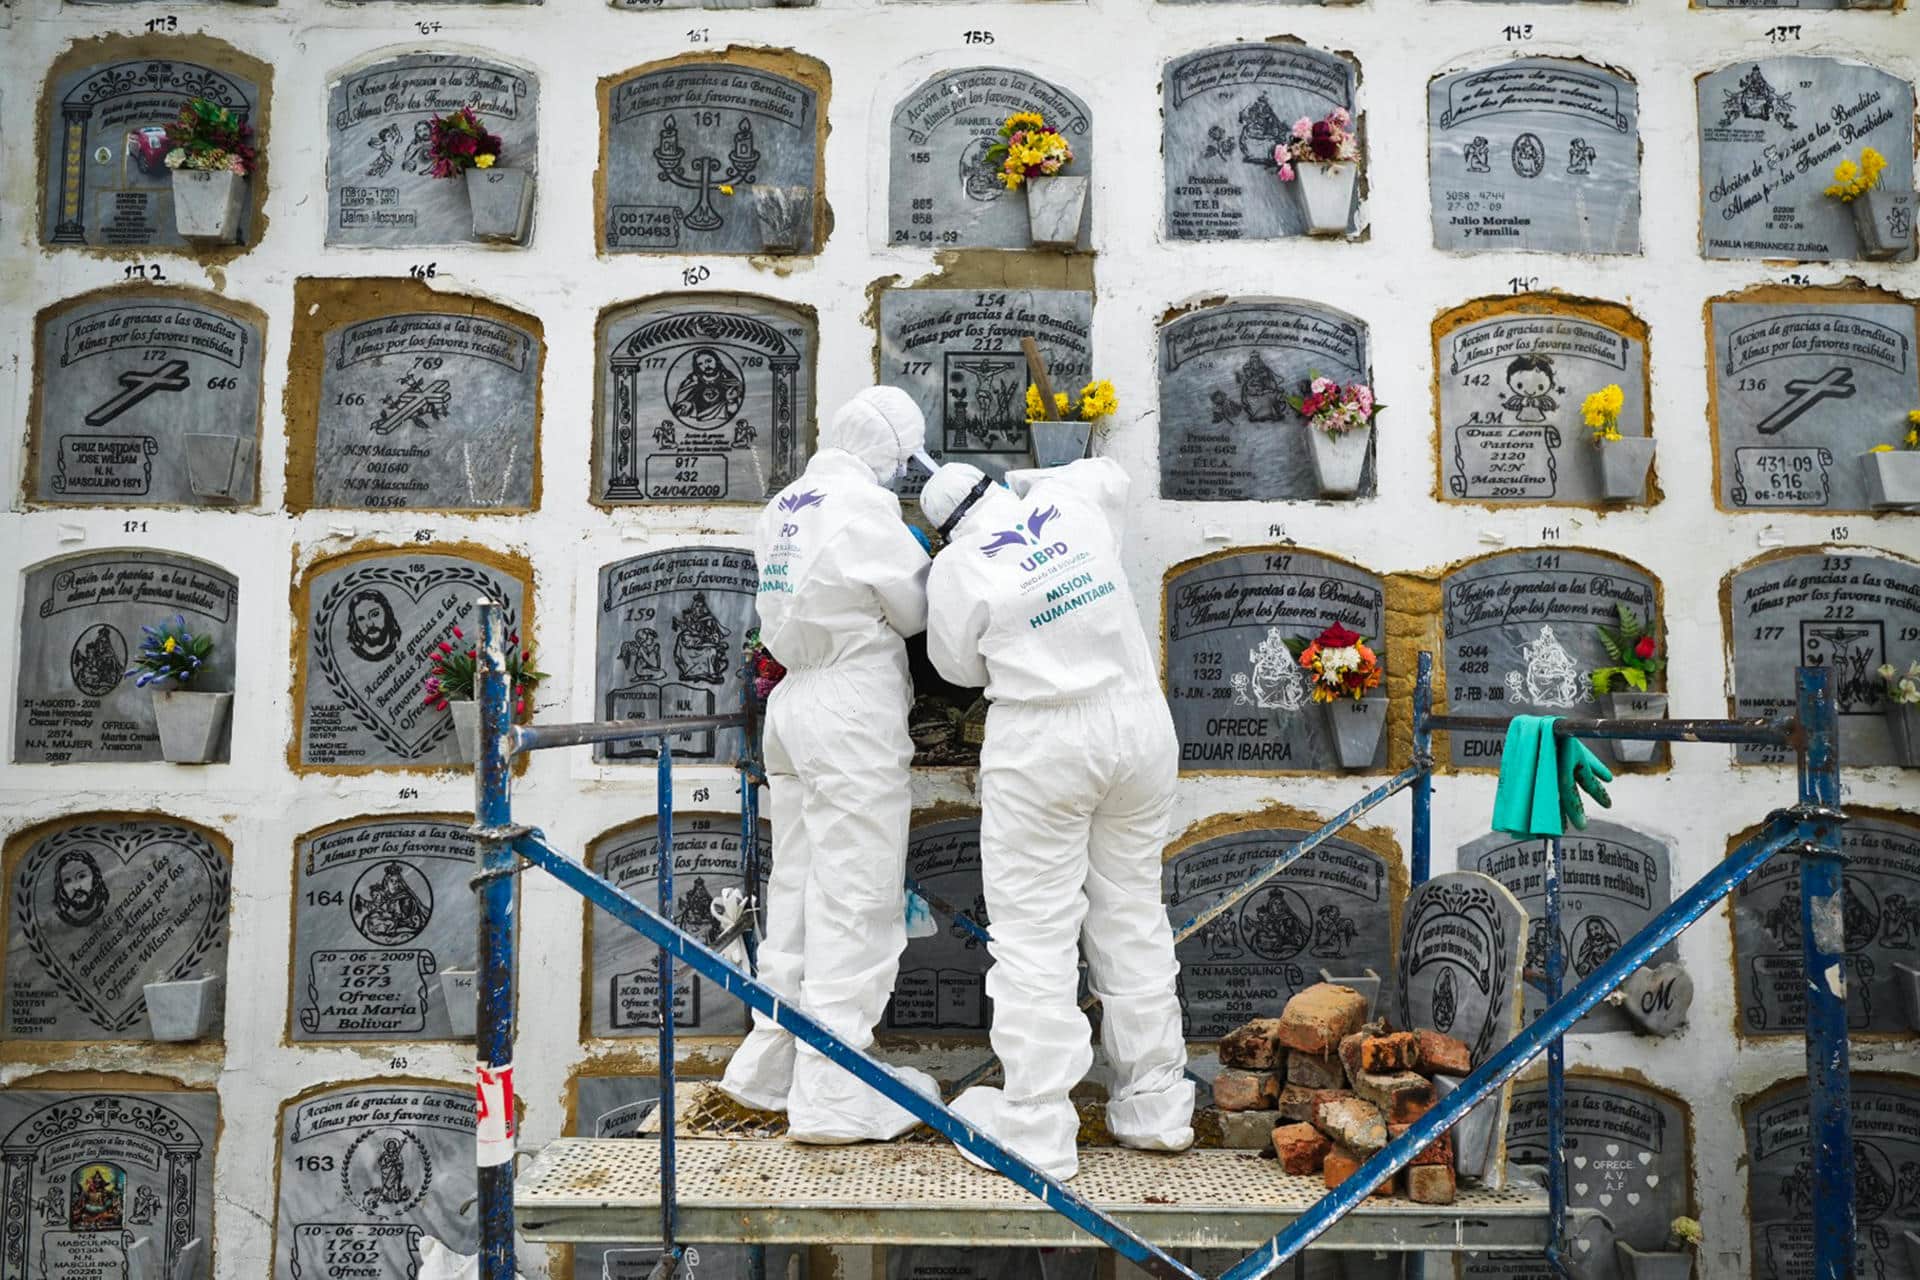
1337 1088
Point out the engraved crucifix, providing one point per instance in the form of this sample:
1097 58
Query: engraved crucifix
707 174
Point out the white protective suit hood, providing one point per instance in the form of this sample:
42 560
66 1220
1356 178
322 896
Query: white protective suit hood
948 488
882 427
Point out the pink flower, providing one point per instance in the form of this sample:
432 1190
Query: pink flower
1324 386
1286 171
1303 128
1362 397
1340 118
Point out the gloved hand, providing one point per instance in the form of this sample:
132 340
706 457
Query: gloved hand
1581 770
920 536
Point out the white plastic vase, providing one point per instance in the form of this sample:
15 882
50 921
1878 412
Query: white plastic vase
1893 478
1903 724
217 465
181 1011
1325 193
502 202
783 214
1884 220
1637 706
1356 725
1056 443
206 204
1055 207
1637 1264
466 729
460 993
1339 461
1624 464
191 724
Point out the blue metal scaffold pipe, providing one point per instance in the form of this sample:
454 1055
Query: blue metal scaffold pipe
494 863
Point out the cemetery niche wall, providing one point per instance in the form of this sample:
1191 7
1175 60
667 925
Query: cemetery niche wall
942 982
146 397
703 398
1227 371
1226 109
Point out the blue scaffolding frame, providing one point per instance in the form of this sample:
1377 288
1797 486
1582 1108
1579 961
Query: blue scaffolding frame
1809 829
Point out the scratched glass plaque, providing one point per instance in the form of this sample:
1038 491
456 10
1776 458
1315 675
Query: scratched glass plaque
942 982
1462 944
1331 910
957 353
1850 613
105 148
1613 880
671 628
80 626
682 146
624 978
92 1175
1537 154
1512 377
1523 636
1803 385
380 184
1241 702
1226 109
367 1170
1880 906
942 192
1771 132
1227 431
1885 1123
703 398
149 398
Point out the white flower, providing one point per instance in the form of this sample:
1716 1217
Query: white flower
1337 662
176 157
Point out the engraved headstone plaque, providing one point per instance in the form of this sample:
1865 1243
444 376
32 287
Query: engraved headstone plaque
365 1171
428 410
1226 109
1885 1124
941 190
672 626
1801 389
1241 702
1522 636
677 135
381 909
142 396
703 398
1512 378
1850 613
380 184
1331 910
1771 132
624 980
942 983
957 353
1463 939
1880 906
371 622
1537 154
90 1175
80 626
1227 431
104 153
1613 880
100 908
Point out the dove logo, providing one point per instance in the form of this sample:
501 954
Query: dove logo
799 501
1027 535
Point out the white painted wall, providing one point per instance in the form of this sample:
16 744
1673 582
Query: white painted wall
1110 52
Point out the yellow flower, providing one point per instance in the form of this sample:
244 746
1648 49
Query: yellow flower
1098 399
1033 403
1913 438
1881 448
725 189
1913 416
1024 120
1012 178
1600 411
483 162
170 645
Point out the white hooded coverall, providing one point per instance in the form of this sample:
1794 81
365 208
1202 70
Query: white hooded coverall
1076 786
842 582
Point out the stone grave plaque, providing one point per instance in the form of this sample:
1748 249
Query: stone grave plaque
703 398
104 152
677 135
90 1175
1771 132
1240 701
1227 432
624 979
428 410
80 628
1886 1164
99 909
1522 636
957 353
1801 390
1627 1158
380 184
942 192
147 398
672 629
1463 939
943 978
941 1262
1613 880
371 622
1539 154
1881 911
1226 109
1330 910
1851 613
381 910
1511 385
365 1171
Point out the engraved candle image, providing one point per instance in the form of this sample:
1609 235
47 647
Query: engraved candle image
673 162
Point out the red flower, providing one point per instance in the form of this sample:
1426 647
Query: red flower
1643 647
1337 637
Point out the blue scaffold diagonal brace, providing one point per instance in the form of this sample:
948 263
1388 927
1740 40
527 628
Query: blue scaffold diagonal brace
697 957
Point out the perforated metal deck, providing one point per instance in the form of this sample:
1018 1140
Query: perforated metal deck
772 1191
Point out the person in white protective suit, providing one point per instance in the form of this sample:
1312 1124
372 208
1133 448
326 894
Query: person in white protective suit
1076 787
842 583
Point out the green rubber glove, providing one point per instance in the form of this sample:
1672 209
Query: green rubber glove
1581 770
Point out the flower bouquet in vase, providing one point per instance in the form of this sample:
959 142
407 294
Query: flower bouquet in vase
1339 432
1903 712
1893 475
1637 659
210 151
191 721
1030 153
501 198
1065 436
1320 162
453 686
1341 669
1624 460
762 667
1883 218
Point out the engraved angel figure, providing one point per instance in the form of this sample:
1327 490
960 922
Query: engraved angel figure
1552 678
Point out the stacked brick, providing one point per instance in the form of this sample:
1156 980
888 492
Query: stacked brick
1327 1088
